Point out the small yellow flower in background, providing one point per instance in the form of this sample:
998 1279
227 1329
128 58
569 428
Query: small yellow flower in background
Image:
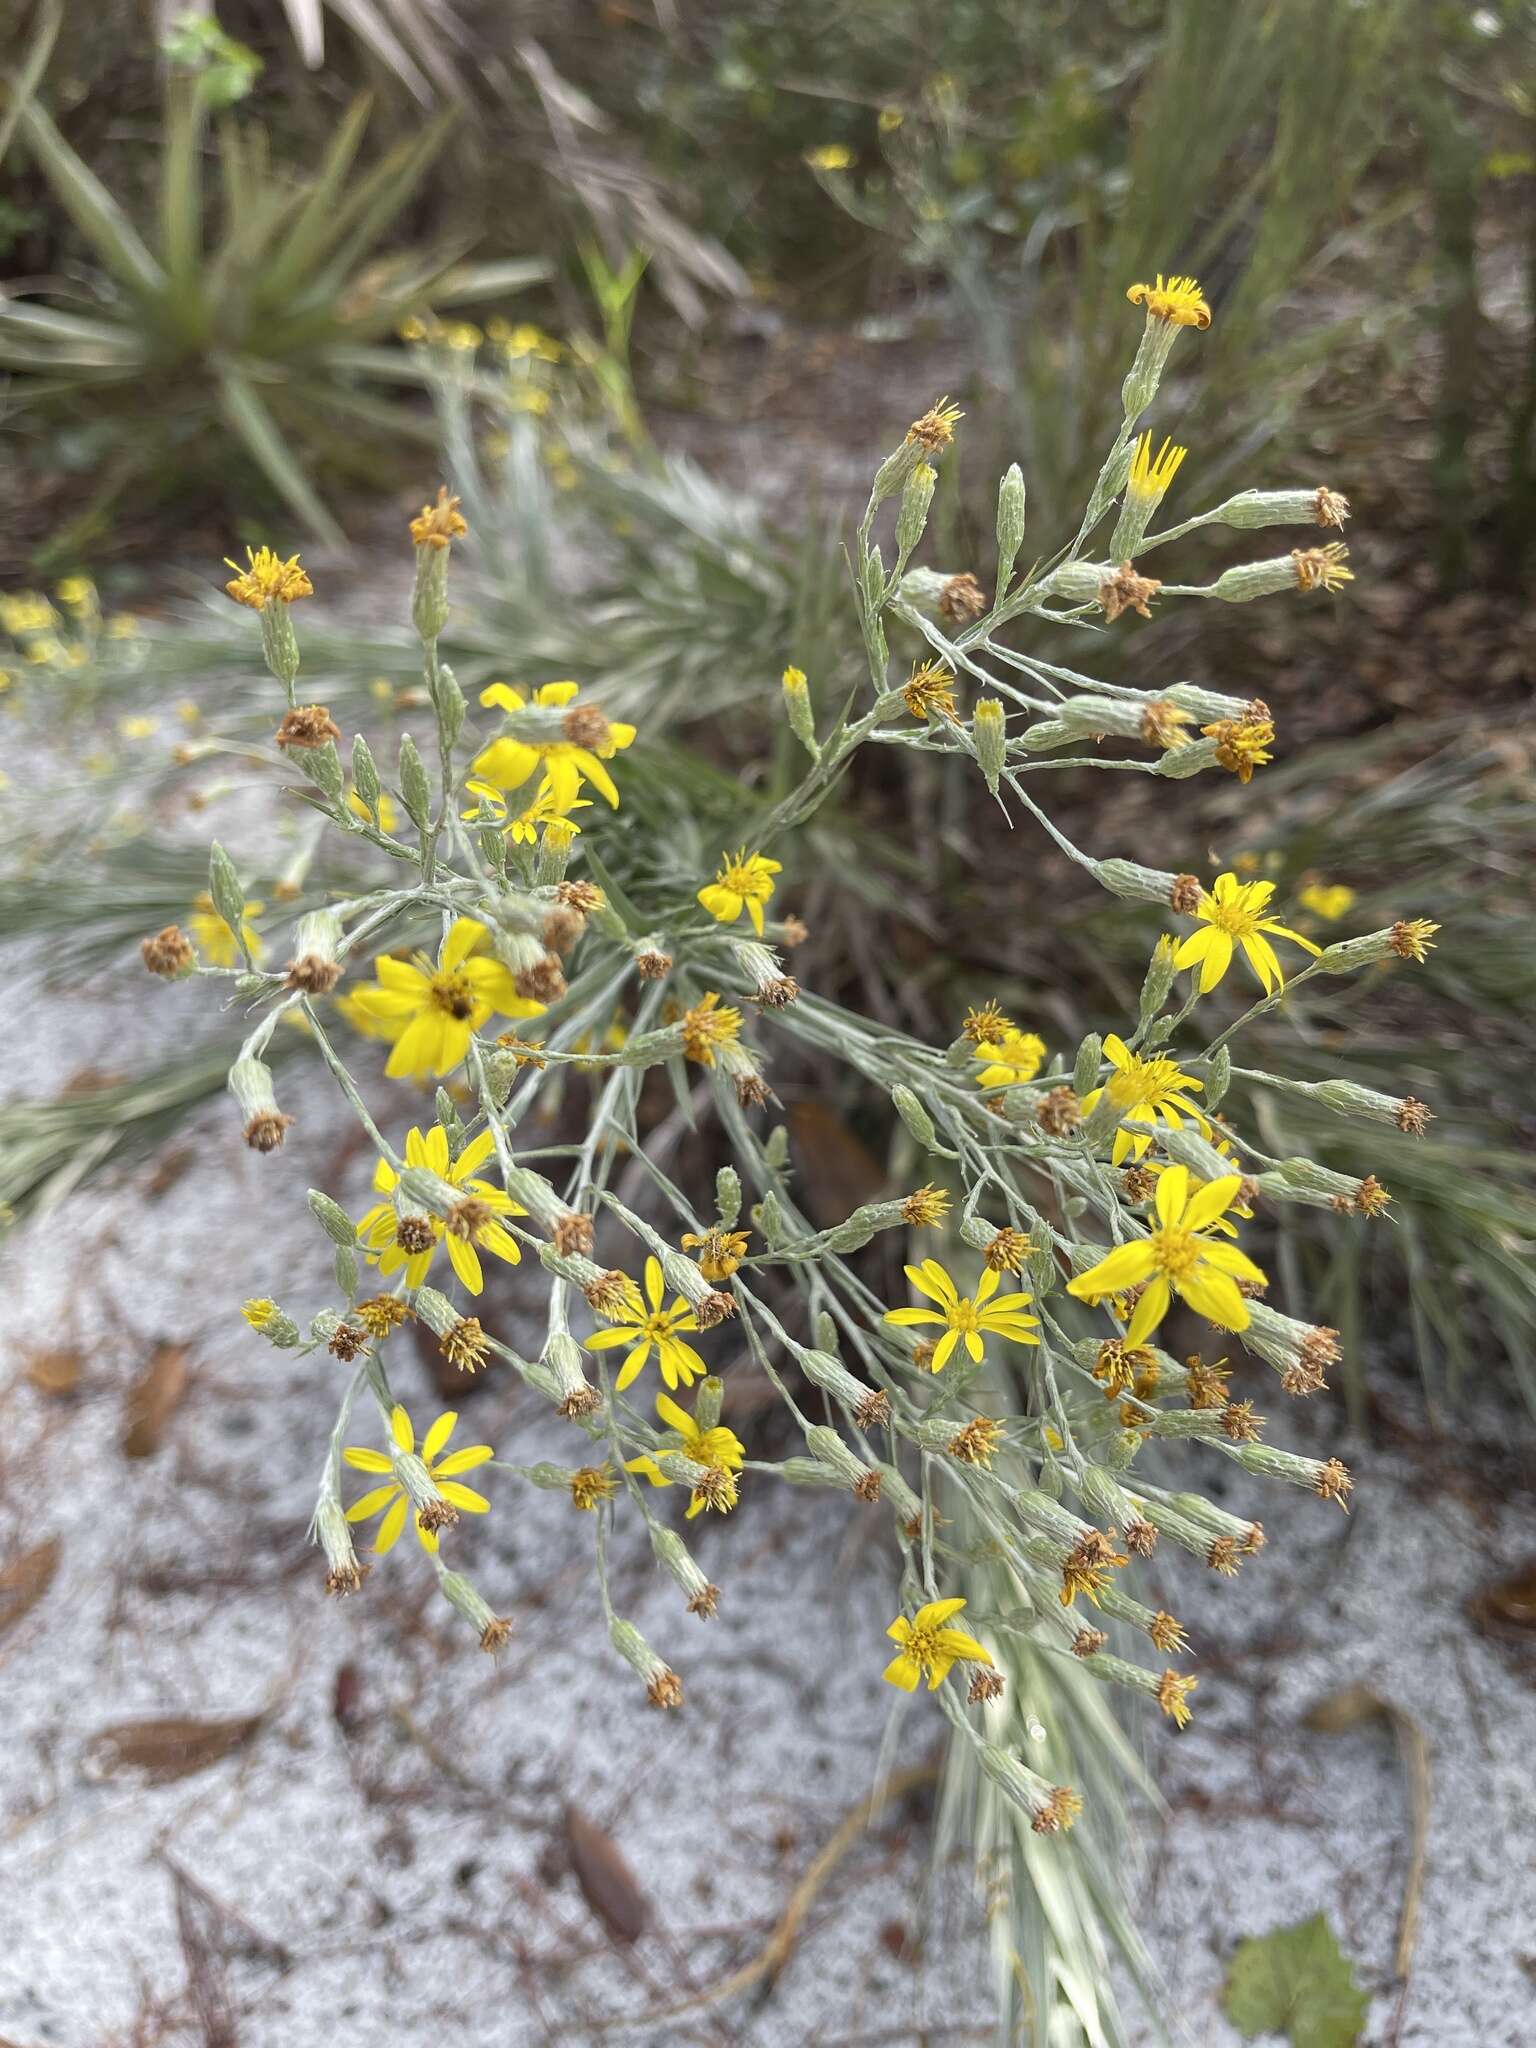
393 1241
188 712
527 340
431 1013
655 1327
960 1316
1009 1059
436 525
1159 1087
929 1648
589 739
523 828
890 120
267 580
212 936
76 591
720 1251
1176 299
122 626
392 1499
383 815
743 882
1177 1258
1149 477
1234 914
137 728
42 651
259 1312
830 156
721 1450
1330 900
27 612
707 1027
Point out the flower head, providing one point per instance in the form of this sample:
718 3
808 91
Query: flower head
708 1027
1329 900
435 525
1234 914
929 1648
1412 938
592 1485
742 882
646 1326
1179 1257
720 1251
1151 475
432 1012
267 580
586 741
1242 743
393 1501
212 936
1012 1057
929 691
1322 568
1178 300
1144 1091
962 1316
717 1450
936 429
411 1241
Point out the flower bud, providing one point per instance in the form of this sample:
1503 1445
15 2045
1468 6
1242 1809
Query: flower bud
913 1115
663 1686
797 704
228 895
415 790
672 1553
727 1196
989 732
1241 585
492 1630
365 776
1156 982
429 597
1085 1069
1010 524
331 1530
916 497
1218 1078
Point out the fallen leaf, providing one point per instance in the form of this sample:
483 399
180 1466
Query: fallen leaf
1508 1605
25 1580
1298 1982
607 1883
54 1373
838 1170
158 1752
153 1399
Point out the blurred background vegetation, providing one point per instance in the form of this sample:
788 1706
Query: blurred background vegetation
653 286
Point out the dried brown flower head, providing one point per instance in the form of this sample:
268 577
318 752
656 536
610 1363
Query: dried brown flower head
705 1602
777 991
985 1685
347 1342
936 429
716 1307
583 896
609 1292
665 1689
1413 1116
874 1410
464 1344
1007 1251
1413 938
415 1234
1240 1424
543 981
1205 1385
573 1234
496 1635
653 966
1322 568
1185 894
1330 508
1124 591
1140 1537
1058 1812
867 1486
265 1131
1059 1112
562 927
467 1218
961 599
1088 1642
307 725
977 1442
793 931
585 726
168 953
311 975
1333 1482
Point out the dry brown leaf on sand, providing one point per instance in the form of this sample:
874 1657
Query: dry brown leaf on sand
153 1399
158 1752
25 1580
54 1373
607 1883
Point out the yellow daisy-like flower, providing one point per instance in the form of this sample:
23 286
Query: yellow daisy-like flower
743 882
720 1449
1150 476
928 1648
962 1316
1178 300
1144 1090
431 1013
1178 1258
393 1240
1235 913
212 936
393 1501
709 1026
1012 1057
267 579
522 828
1330 900
587 740
1223 1224
720 1251
654 1327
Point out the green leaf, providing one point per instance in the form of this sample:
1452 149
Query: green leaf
1298 1982
255 426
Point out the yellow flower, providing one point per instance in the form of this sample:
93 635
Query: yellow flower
393 1500
1177 1258
122 626
707 1027
1242 744
1223 1224
411 1241
720 1251
644 1328
928 1648
960 1316
522 829
1330 900
1149 477
267 580
1178 300
28 612
76 591
830 156
743 882
259 1312
1013 1057
1159 1087
383 815
587 740
438 524
212 936
719 1449
431 1013
1235 914
136 728
528 340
